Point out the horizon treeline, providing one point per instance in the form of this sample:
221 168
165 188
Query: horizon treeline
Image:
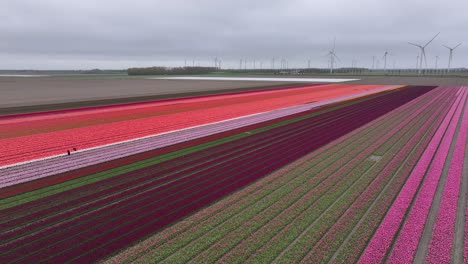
170 71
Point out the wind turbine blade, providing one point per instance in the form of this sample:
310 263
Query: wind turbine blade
447 47
334 55
419 46
432 39
334 43
457 46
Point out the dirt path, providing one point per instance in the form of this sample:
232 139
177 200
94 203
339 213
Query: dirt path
432 216
458 247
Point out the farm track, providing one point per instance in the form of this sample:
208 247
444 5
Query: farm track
256 170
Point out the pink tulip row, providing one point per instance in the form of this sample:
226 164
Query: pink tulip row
351 249
465 250
318 231
358 158
328 244
382 239
406 245
442 236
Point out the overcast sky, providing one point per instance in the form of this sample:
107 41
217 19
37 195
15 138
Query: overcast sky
112 34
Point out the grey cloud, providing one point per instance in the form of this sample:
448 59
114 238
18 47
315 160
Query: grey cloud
119 34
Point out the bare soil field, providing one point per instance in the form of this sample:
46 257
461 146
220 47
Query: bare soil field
48 93
38 94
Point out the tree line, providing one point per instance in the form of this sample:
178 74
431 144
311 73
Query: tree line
170 71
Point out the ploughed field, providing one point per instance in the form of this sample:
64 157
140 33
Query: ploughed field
334 173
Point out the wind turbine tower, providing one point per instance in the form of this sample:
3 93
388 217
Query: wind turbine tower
451 55
333 56
385 60
423 52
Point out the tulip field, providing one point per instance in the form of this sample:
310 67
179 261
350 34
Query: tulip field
322 173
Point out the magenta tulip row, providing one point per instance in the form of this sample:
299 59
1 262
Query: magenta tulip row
407 242
440 247
337 233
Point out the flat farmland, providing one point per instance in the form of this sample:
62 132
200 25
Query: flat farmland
46 93
322 173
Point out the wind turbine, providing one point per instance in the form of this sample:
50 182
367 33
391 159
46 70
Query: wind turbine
437 60
333 56
423 52
385 60
451 55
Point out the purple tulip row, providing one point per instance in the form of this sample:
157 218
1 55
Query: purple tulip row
407 242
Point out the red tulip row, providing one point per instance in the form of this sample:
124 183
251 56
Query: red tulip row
49 135
98 225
